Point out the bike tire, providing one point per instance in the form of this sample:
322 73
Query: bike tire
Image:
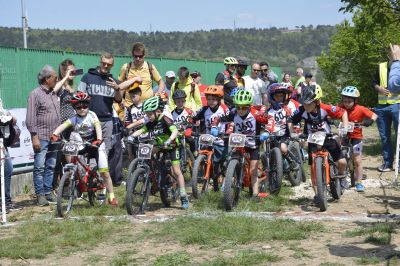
262 185
199 184
295 177
65 205
92 195
231 188
131 168
350 166
138 192
321 183
335 187
187 173
275 172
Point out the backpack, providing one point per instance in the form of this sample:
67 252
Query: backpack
128 67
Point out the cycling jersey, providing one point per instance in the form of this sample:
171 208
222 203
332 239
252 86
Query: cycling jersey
133 113
293 105
279 117
84 126
317 121
227 80
357 114
181 117
160 129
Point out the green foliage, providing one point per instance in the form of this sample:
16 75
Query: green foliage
355 50
379 234
173 259
245 258
276 46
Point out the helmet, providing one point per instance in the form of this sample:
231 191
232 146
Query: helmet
230 61
179 94
243 97
135 85
351 91
311 93
272 77
235 90
242 61
80 97
277 88
214 90
152 104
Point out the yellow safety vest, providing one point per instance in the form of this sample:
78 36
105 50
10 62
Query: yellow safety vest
391 98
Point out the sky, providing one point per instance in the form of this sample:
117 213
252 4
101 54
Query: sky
170 15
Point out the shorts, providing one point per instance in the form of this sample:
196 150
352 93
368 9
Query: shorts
107 130
331 146
357 146
254 153
174 155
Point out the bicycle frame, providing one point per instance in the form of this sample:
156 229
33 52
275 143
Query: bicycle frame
244 160
325 155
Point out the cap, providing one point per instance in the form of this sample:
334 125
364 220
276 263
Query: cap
170 74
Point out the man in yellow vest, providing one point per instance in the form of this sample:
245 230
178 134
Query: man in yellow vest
387 111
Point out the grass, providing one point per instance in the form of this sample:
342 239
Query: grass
300 253
124 258
379 234
368 260
229 231
173 259
331 264
215 201
244 258
39 238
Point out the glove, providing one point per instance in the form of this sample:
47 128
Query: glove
368 122
97 142
188 132
167 143
294 135
54 138
264 136
214 131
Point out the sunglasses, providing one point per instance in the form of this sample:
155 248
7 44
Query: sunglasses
81 106
257 70
264 70
138 56
106 64
238 107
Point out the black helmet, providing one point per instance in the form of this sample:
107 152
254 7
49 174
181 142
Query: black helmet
179 94
242 61
310 94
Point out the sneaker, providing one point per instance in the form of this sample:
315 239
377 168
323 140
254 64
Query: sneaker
263 194
360 187
113 202
316 200
41 200
385 167
185 202
51 198
12 207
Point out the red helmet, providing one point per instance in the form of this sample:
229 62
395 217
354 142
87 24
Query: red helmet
80 97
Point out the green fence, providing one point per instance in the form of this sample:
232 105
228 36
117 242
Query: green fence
19 68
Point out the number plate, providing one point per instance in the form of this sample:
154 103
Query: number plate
317 138
206 139
71 148
237 140
144 151
350 127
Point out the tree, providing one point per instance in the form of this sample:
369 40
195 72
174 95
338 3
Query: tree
355 50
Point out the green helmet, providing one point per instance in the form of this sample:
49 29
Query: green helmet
243 97
152 104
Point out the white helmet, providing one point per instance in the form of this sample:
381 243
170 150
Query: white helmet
351 91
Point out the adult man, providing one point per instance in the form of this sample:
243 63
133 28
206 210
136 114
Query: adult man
388 105
143 69
196 76
169 80
254 84
264 66
240 71
297 86
227 80
100 85
42 118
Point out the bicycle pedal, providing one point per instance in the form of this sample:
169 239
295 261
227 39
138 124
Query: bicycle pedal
101 196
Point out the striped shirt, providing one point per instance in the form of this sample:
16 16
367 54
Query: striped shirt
43 113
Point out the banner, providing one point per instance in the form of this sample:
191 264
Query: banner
21 152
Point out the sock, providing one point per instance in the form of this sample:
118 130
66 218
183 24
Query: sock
182 192
111 196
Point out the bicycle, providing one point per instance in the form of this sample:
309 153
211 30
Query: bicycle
79 177
238 173
324 171
149 173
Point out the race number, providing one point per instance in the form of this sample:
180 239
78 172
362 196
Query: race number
237 140
317 138
144 151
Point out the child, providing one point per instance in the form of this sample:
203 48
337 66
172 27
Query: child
159 125
247 120
87 125
133 113
315 114
214 109
279 113
357 114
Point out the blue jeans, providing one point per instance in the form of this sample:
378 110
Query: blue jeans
387 114
8 169
43 168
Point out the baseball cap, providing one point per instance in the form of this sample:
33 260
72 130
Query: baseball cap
170 74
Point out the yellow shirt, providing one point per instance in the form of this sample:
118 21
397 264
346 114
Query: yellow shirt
144 73
193 102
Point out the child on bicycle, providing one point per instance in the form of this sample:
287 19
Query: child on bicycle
315 114
279 112
160 126
357 114
86 124
247 120
214 109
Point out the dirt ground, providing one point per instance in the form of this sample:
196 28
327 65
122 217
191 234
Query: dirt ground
381 200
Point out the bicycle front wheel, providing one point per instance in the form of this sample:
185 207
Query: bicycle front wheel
199 183
231 187
137 194
66 193
321 183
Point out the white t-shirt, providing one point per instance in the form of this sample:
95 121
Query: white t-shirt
255 87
